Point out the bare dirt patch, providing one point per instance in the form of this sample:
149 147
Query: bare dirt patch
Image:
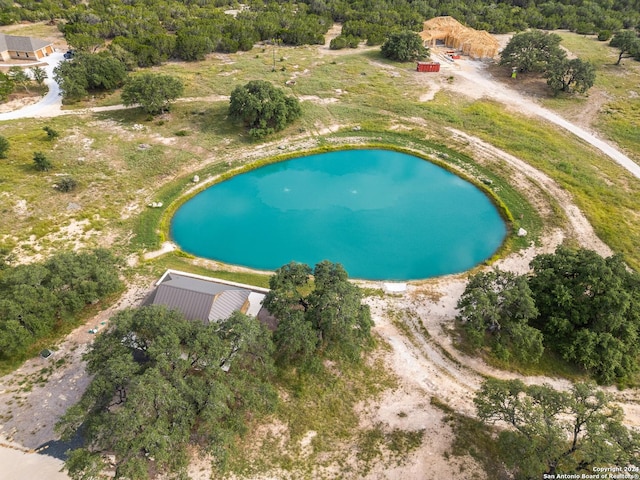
75 235
17 101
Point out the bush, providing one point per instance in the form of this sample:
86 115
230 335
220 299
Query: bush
4 147
66 184
51 133
338 43
41 162
585 28
604 35
343 41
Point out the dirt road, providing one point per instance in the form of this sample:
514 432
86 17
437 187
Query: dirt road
472 79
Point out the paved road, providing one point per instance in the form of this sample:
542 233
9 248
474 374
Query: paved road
51 102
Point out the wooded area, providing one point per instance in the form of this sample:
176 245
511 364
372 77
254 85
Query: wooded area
38 299
582 306
550 433
188 30
163 383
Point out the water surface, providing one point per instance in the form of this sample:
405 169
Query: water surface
382 214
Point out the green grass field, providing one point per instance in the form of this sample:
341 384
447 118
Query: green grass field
124 160
619 117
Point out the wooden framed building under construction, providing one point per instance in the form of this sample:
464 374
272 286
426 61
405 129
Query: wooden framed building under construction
448 32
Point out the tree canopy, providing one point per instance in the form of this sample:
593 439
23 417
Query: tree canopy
329 317
495 309
153 92
161 382
589 310
263 108
89 71
19 77
532 51
162 385
628 42
582 306
189 31
552 432
540 52
569 76
37 299
39 75
89 24
404 47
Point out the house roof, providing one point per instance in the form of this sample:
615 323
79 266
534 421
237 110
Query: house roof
226 303
201 299
21 44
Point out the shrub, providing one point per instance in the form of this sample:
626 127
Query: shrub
66 184
4 147
51 133
604 35
41 162
338 43
343 41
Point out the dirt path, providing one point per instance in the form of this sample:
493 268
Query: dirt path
472 79
581 229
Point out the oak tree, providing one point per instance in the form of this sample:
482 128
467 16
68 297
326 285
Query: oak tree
161 383
552 432
263 108
495 309
37 299
589 310
404 46
568 76
153 92
531 51
628 42
89 71
325 315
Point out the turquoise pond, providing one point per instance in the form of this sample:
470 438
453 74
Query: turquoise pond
384 215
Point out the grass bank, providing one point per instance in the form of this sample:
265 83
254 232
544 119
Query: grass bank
156 225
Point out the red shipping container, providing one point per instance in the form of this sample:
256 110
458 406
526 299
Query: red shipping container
428 67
